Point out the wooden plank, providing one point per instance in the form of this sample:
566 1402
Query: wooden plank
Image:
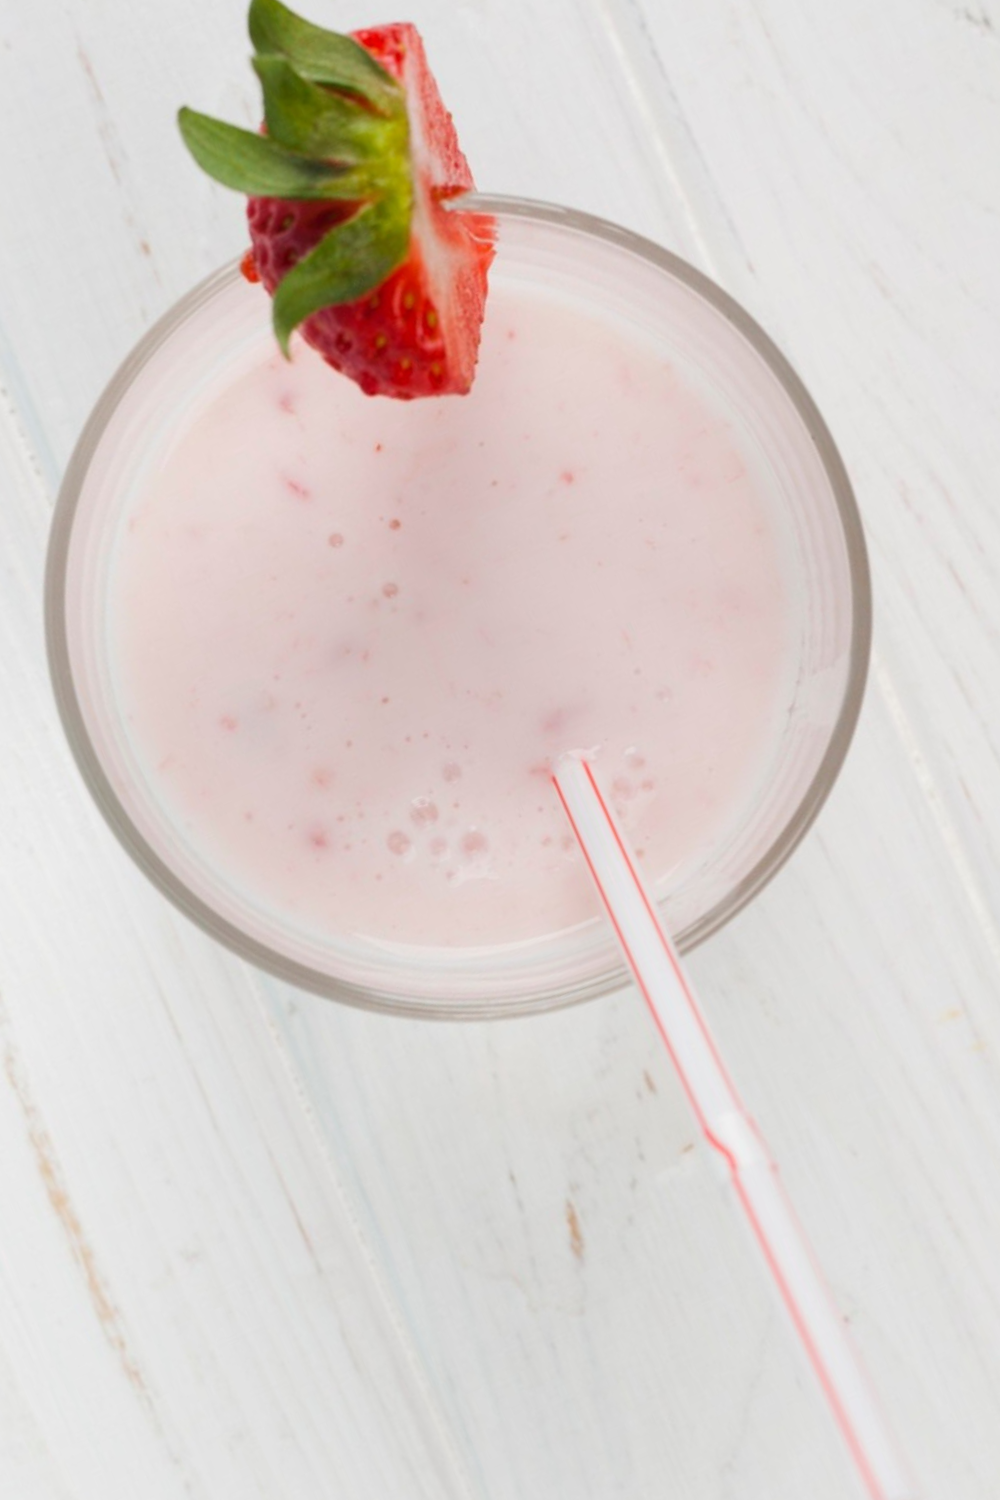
267 1246
186 1307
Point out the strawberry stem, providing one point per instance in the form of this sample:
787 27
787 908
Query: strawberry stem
336 127
323 56
306 117
256 164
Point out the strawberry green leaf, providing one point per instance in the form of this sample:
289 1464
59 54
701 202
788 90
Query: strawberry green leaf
351 260
323 56
256 164
304 117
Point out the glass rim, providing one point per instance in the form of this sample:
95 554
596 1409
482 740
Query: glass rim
615 974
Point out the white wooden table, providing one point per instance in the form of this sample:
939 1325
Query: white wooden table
257 1245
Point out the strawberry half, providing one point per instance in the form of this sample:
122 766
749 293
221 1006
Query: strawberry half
348 184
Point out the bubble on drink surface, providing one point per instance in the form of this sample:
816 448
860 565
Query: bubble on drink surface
423 811
390 590
634 759
451 771
471 858
623 789
335 539
399 843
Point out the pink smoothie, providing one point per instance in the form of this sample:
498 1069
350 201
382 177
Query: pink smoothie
349 635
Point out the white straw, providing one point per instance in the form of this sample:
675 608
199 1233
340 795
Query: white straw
730 1132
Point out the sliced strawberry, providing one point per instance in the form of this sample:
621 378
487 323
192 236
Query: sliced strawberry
348 188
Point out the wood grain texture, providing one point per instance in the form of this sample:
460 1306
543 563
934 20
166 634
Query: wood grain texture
255 1245
186 1304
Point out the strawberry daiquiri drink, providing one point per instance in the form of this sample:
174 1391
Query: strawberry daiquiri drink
317 650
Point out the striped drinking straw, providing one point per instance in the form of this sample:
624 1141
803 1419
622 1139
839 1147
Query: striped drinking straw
730 1132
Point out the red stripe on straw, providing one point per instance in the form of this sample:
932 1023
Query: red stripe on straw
667 948
640 981
843 1421
827 1384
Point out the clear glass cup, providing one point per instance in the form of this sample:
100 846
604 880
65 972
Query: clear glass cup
624 277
